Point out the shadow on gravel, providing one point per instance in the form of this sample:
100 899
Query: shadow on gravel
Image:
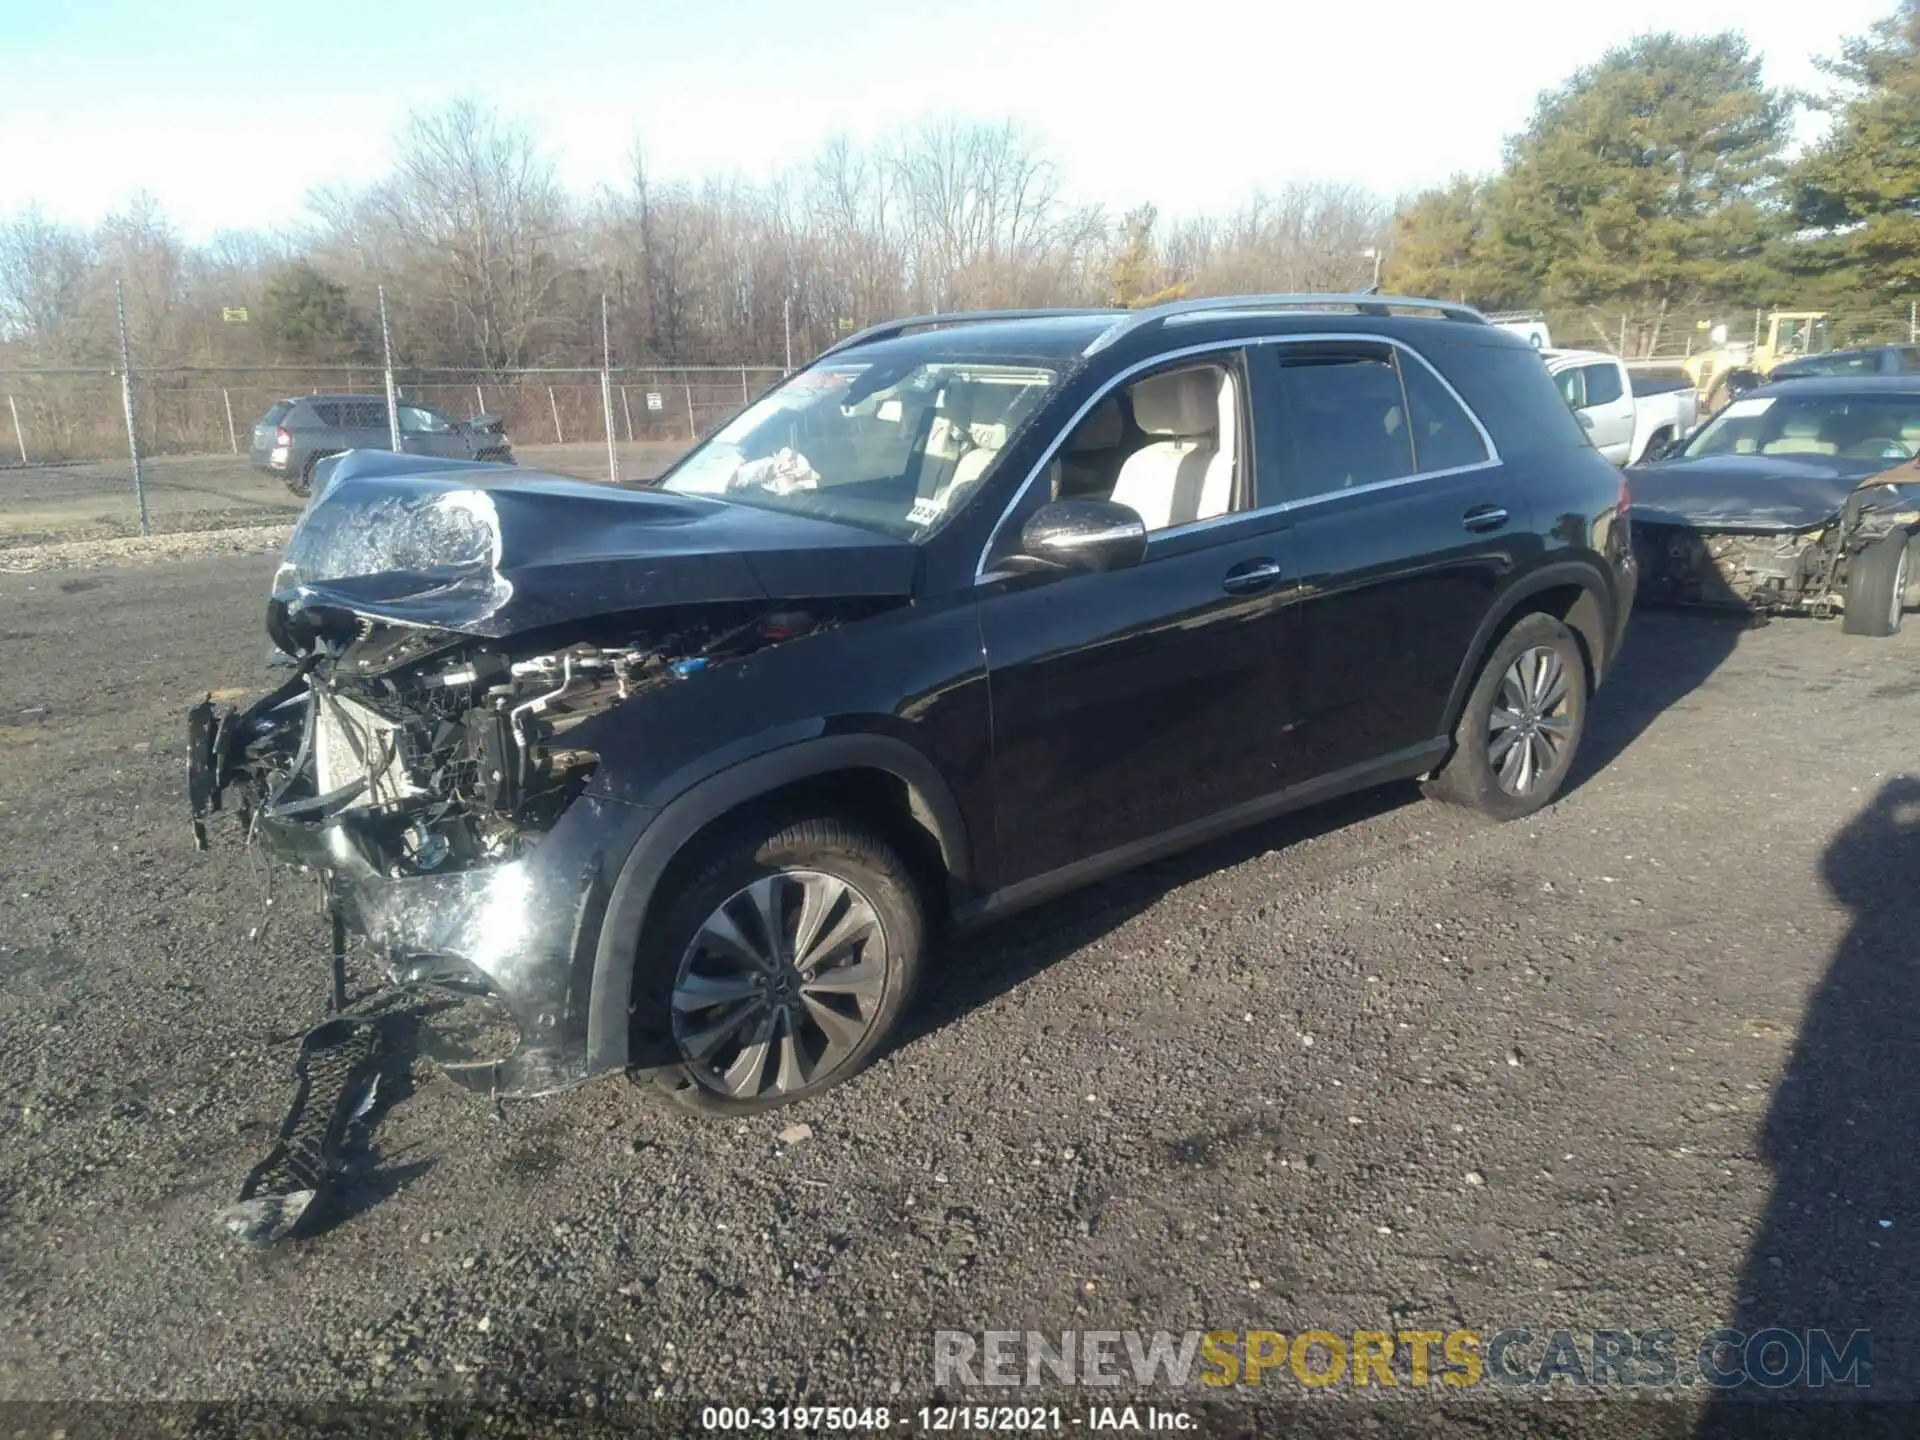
1839 1246
1668 655
977 969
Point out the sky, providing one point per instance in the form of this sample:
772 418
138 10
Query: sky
230 114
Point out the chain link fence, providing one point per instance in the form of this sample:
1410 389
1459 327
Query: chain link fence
68 415
109 450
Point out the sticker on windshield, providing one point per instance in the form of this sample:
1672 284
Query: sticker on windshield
1752 405
925 511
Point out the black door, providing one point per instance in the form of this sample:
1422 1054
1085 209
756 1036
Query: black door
1404 526
1128 703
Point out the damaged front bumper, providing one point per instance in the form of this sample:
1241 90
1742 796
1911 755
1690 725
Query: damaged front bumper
520 932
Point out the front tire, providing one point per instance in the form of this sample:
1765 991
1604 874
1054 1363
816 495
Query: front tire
780 969
1521 726
1876 590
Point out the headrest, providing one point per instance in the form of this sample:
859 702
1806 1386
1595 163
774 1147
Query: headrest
1183 403
1101 430
1803 423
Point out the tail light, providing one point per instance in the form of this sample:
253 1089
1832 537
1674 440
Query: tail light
281 437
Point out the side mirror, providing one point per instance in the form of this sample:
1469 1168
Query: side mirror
1083 535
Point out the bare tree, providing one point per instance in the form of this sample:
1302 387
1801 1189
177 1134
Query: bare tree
43 279
473 209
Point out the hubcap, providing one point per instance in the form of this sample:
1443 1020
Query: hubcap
779 985
1532 722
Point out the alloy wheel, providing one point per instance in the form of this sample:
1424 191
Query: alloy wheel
1531 726
780 985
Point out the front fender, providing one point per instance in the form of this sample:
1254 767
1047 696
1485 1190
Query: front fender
708 790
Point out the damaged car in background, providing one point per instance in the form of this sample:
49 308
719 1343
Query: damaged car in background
686 780
1801 497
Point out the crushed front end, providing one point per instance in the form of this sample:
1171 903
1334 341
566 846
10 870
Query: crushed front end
428 783
429 757
1766 573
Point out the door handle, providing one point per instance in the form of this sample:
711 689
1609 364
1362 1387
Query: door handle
1483 518
1585 418
1253 575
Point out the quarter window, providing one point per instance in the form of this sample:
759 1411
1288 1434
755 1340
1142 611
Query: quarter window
1444 436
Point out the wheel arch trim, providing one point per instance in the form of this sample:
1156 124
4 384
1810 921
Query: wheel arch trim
717 794
1590 617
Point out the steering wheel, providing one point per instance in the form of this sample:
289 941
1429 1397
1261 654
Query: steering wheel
1884 449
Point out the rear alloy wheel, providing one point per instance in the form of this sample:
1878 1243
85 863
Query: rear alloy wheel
792 957
1521 725
1876 592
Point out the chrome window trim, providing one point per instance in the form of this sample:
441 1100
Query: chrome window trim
1213 347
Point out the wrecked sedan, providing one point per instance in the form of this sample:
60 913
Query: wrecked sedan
1799 497
689 778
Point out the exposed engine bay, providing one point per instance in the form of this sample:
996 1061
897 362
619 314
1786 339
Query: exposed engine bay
1769 574
443 751
1770 571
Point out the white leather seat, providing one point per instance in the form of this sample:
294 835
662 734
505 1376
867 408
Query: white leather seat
1800 435
1186 474
967 444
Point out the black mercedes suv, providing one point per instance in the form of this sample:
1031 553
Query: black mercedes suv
691 778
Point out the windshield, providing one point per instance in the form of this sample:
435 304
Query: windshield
893 447
1851 427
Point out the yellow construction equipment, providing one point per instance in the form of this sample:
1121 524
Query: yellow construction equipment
1723 372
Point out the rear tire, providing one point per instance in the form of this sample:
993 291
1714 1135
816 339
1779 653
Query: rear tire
1521 726
759 1020
1876 590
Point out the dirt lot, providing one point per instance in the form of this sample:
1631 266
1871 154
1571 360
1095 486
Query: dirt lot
205 492
1645 1061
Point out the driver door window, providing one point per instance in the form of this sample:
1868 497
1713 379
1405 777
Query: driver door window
1169 446
417 420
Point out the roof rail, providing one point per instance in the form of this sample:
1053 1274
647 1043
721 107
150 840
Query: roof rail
889 329
1364 304
1501 317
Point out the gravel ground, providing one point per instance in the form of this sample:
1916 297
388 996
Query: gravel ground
1640 1062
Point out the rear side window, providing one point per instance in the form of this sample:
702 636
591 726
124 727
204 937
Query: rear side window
325 413
1444 436
1346 417
1510 390
363 415
1603 384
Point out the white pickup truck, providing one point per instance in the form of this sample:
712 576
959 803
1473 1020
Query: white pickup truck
1632 415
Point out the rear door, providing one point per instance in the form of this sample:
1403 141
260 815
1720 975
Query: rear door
1402 529
363 426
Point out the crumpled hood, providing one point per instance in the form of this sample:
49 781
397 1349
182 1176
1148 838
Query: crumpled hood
488 551
1762 493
